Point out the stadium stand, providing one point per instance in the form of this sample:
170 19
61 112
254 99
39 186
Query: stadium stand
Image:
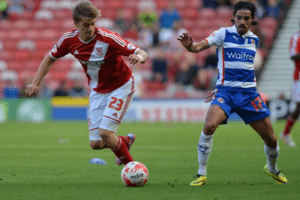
28 36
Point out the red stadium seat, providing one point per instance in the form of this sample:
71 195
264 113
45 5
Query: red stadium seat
44 44
130 4
21 24
191 13
23 74
269 22
207 13
203 23
114 4
62 14
195 4
31 65
17 34
69 24
162 4
188 23
7 55
33 34
225 13
23 55
181 4
10 44
15 65
5 25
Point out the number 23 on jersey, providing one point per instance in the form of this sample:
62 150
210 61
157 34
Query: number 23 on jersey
116 103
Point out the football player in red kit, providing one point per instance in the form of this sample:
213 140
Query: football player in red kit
111 81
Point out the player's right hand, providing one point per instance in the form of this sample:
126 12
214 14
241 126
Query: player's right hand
185 40
31 90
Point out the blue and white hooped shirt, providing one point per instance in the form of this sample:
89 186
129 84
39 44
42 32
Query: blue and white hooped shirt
235 58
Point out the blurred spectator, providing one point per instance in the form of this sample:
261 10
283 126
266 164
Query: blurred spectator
211 60
121 23
169 15
202 80
11 90
61 91
77 90
209 4
173 43
16 7
214 4
3 9
257 31
146 5
260 11
159 67
156 37
187 71
132 32
224 4
151 37
147 17
174 66
272 9
138 78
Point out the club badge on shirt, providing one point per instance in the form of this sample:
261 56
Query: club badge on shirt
130 46
220 100
54 49
99 51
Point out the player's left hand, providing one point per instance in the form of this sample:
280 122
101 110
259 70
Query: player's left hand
134 59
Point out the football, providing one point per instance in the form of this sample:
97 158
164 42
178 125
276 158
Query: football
134 174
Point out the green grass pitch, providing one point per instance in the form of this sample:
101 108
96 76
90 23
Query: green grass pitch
34 165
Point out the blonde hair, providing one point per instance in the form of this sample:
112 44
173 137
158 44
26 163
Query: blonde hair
85 9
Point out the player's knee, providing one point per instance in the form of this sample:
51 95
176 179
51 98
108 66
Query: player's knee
271 142
97 145
209 128
105 134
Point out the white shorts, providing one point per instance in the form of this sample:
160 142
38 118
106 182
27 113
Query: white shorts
296 91
107 110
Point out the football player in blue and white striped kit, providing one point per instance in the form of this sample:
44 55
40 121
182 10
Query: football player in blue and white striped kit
235 89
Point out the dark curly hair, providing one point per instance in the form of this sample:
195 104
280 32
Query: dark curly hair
245 5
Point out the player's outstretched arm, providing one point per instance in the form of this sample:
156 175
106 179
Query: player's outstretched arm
140 57
45 66
195 47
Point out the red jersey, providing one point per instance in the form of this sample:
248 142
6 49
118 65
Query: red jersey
100 57
295 49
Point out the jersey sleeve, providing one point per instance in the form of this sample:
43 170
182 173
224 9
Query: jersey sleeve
294 45
216 38
60 49
122 46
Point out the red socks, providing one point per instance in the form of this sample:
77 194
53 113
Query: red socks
125 139
122 152
288 126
